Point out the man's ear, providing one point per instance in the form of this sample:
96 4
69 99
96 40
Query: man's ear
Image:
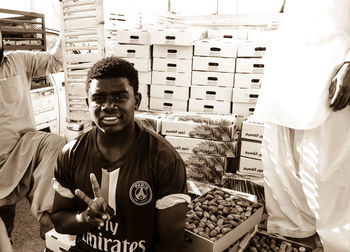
138 98
87 101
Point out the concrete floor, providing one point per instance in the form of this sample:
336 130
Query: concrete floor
26 235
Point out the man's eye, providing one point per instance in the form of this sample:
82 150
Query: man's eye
98 99
121 97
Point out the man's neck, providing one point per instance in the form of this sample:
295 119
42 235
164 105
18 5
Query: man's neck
115 145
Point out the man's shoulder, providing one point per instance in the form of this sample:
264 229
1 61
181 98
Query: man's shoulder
79 143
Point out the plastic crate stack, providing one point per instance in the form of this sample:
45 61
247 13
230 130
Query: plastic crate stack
207 143
213 75
83 44
172 67
135 47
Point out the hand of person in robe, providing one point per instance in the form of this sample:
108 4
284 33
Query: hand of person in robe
98 209
339 90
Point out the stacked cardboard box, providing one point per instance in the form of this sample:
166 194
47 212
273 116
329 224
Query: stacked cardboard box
248 77
172 67
205 141
250 159
135 47
212 76
151 119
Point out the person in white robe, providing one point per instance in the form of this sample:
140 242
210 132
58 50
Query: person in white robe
304 103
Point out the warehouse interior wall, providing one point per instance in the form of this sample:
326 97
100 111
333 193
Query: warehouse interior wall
51 8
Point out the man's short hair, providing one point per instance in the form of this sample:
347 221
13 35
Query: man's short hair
111 67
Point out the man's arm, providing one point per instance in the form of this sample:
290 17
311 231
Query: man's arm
38 64
171 228
65 218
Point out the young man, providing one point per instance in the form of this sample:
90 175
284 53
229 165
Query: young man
27 156
137 199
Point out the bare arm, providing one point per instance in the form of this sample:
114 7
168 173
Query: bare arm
171 228
38 64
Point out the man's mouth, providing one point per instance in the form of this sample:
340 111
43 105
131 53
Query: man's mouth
109 120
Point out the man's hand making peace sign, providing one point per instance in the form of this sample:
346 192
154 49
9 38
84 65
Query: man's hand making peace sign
98 209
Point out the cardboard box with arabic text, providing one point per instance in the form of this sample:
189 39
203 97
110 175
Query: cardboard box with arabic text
200 125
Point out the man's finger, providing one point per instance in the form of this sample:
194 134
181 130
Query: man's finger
337 95
95 221
342 102
95 216
109 211
81 195
332 87
95 186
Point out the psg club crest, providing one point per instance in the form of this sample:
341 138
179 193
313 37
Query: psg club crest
140 193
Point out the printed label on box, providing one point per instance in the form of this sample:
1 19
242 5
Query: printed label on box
250 166
251 149
197 125
252 129
203 147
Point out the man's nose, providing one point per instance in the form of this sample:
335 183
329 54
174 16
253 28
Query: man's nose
109 103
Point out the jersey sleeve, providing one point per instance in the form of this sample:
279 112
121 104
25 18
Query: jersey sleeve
63 176
171 181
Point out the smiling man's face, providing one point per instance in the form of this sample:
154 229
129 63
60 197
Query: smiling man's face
112 103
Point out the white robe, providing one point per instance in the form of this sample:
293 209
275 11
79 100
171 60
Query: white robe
306 146
310 46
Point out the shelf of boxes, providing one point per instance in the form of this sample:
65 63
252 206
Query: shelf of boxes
135 47
171 69
212 76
